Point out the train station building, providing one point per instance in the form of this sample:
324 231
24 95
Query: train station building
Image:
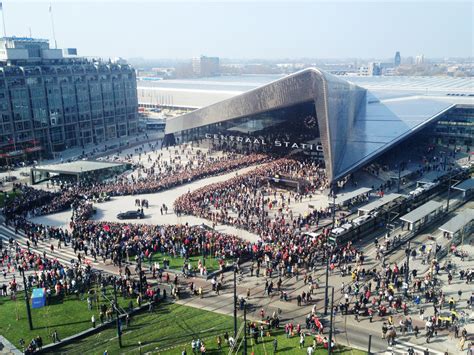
336 121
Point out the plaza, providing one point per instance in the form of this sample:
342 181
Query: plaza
293 215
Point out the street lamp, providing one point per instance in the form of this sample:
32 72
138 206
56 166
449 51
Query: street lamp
28 310
407 269
326 300
140 290
245 327
330 321
449 191
117 315
235 301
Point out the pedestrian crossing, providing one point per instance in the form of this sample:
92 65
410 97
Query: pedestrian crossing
402 347
63 255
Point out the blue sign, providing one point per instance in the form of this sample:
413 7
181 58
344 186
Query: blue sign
38 298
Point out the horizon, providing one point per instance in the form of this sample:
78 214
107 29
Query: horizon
325 31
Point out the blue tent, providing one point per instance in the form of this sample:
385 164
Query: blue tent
38 298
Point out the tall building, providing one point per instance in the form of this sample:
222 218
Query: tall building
51 99
205 66
397 60
419 59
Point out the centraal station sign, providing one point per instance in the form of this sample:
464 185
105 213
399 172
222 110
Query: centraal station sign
276 143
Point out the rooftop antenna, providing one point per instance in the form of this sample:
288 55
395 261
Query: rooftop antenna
52 25
3 20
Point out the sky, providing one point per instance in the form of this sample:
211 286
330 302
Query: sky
248 29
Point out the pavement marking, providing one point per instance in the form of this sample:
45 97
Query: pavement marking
401 347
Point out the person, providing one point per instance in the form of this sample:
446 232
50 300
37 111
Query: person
310 350
184 352
301 340
275 345
461 342
55 337
39 342
93 321
384 330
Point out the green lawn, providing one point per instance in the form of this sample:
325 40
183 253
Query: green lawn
10 194
68 315
176 263
171 328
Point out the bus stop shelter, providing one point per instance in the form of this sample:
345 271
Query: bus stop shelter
460 225
422 215
379 203
344 198
466 187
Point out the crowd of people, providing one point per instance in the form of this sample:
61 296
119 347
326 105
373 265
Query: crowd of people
250 202
34 202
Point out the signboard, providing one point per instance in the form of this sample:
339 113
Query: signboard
316 147
38 298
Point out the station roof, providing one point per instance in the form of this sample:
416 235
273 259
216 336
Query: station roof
342 198
458 222
465 185
372 206
422 211
197 93
77 167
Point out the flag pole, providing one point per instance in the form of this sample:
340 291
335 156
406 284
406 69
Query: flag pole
3 21
52 25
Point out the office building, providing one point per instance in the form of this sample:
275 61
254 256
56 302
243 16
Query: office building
52 100
205 66
420 59
397 60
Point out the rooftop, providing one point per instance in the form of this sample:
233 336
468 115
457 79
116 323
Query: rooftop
77 167
372 206
458 222
465 185
422 211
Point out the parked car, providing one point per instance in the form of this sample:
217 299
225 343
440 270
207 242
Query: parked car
131 215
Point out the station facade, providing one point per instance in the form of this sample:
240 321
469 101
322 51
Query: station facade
318 114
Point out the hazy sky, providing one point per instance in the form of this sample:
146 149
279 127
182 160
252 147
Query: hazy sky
266 29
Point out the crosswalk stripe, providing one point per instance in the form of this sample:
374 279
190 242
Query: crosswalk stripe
401 347
63 255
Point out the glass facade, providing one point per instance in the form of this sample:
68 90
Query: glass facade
456 127
282 131
52 107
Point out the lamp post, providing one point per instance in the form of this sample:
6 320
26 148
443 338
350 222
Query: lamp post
28 310
245 328
449 191
119 330
407 269
203 255
330 322
235 301
140 289
326 299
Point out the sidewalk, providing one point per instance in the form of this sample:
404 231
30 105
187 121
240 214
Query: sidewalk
8 348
